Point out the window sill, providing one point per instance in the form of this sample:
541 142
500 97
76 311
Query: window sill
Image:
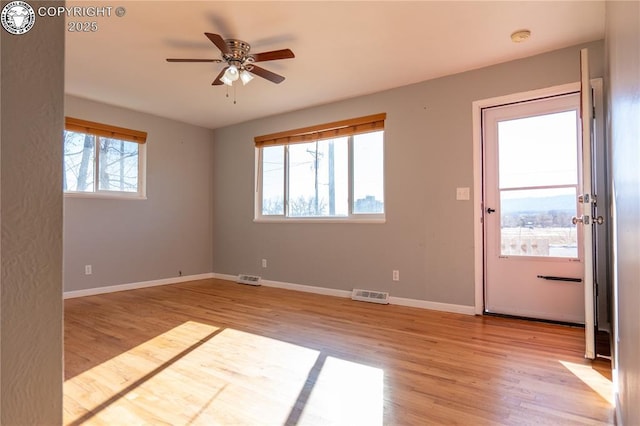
320 220
106 196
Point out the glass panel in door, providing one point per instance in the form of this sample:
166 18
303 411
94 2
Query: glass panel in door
538 177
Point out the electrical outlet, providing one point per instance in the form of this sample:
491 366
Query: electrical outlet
462 194
87 270
396 275
264 263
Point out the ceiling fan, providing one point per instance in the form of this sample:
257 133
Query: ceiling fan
241 63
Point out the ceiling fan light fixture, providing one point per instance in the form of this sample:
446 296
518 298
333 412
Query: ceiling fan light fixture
246 77
226 80
230 75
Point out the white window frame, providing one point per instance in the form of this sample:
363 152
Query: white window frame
351 217
141 194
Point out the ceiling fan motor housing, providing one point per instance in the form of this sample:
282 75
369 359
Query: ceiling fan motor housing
238 53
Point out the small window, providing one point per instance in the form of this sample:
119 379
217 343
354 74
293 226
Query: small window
103 160
330 171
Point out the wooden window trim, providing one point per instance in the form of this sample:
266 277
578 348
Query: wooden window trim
353 126
105 130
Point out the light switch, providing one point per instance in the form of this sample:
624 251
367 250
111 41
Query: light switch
462 193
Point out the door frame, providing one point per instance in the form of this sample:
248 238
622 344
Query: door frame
478 228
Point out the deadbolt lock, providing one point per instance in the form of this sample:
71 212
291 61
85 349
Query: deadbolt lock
586 199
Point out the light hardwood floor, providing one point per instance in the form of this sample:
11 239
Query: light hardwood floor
214 352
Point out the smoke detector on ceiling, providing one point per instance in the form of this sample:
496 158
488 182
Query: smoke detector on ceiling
520 36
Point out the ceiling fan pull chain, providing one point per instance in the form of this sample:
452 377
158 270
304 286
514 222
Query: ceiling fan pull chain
234 94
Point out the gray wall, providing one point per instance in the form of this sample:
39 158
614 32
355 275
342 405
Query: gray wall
130 241
428 235
623 57
32 84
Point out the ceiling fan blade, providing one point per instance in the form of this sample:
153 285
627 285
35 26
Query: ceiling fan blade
271 76
219 42
193 60
273 55
217 81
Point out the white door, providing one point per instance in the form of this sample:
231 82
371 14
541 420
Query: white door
534 255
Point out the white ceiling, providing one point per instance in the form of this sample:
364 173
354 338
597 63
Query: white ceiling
343 50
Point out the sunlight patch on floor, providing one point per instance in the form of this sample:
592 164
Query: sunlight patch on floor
99 385
223 376
346 393
593 379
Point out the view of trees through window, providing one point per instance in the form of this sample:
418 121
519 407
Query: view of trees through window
321 176
113 162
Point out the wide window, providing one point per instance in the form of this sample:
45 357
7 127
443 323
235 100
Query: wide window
329 171
103 159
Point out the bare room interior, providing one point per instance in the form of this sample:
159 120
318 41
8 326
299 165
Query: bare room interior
300 212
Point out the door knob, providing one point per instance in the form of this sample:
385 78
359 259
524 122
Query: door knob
599 220
490 210
582 219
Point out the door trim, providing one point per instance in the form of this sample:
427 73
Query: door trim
477 107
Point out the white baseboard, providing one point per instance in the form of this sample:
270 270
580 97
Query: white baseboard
414 303
433 306
133 286
618 414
